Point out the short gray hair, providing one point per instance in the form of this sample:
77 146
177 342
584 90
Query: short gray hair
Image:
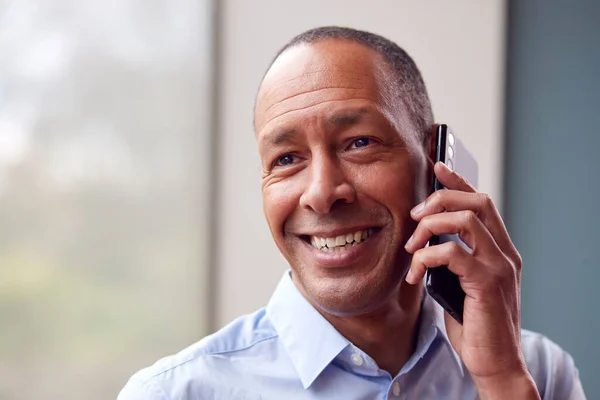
410 85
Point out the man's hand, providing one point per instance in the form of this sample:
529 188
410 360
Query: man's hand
489 341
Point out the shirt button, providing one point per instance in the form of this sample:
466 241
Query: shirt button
357 359
396 389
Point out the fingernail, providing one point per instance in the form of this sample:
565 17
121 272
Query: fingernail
408 242
418 208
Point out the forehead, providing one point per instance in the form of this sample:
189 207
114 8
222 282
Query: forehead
327 72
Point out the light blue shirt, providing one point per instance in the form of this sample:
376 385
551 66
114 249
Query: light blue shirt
288 351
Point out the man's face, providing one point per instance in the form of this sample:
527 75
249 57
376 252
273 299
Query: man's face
342 167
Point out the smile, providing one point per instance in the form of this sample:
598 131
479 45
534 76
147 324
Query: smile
340 243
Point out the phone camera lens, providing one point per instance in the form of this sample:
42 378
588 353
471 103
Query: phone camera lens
450 165
450 152
451 138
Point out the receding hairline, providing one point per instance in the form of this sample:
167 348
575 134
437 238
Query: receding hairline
383 68
381 73
398 68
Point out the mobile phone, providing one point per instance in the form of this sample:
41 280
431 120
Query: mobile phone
442 284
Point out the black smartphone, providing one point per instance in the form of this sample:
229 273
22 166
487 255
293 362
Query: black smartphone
442 284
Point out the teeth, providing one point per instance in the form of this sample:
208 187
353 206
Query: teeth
340 243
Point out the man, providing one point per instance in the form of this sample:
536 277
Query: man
346 137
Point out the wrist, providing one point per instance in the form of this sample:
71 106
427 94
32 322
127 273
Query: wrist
515 386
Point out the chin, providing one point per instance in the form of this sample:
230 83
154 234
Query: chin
353 295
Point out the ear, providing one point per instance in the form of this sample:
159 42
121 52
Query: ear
431 142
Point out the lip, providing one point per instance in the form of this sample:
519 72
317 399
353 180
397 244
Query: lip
341 231
347 258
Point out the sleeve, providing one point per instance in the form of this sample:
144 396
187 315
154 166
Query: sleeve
551 367
566 383
137 389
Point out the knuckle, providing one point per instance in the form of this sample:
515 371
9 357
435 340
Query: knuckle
469 217
426 222
418 258
453 249
438 196
486 200
509 274
517 261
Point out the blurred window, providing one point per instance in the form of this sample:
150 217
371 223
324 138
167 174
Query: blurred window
104 140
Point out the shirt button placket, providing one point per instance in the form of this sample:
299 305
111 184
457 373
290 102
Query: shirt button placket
396 389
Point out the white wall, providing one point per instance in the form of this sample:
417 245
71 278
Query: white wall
459 48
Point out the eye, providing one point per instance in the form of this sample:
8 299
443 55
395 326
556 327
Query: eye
286 159
360 142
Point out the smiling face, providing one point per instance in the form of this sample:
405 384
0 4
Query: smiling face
342 167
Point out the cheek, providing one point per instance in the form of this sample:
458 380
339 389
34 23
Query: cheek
280 199
390 184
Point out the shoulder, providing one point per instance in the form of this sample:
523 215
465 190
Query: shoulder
204 369
552 368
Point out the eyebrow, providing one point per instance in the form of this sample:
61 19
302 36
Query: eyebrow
345 118
284 136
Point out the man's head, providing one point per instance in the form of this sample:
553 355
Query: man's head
342 121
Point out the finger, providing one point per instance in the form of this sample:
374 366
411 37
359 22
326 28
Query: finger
451 179
449 254
480 203
465 223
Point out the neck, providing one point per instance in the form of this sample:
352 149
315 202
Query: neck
387 334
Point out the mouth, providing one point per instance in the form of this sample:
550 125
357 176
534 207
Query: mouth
340 243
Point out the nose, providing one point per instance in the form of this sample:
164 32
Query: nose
328 185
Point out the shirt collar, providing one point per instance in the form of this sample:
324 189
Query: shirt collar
433 326
312 343
309 339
